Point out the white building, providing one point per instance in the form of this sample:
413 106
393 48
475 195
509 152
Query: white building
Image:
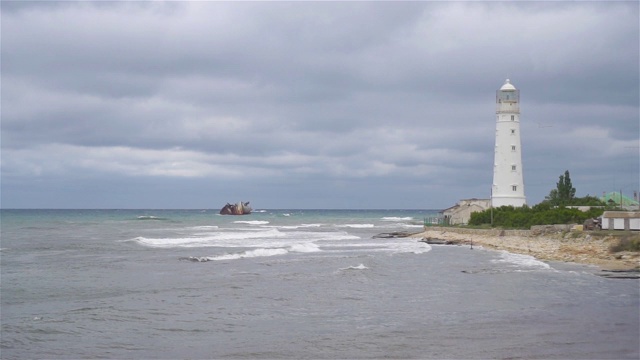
460 213
621 220
508 182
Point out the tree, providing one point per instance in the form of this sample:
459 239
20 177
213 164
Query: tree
564 193
553 210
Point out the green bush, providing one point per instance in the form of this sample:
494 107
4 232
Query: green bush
551 211
525 217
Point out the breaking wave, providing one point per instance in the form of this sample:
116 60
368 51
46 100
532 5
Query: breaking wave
305 248
262 252
357 226
205 227
415 247
525 261
301 226
252 238
359 267
251 222
250 254
150 217
224 239
394 218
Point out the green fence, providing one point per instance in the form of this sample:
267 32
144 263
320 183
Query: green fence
436 221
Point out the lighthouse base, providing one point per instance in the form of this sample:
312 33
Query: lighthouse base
498 201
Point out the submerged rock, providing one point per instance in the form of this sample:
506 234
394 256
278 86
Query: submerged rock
620 274
391 235
433 241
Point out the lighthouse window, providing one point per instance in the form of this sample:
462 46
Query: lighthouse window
514 188
513 167
513 131
513 148
513 117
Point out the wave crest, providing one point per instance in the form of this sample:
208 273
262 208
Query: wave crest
251 222
520 260
150 217
305 248
357 226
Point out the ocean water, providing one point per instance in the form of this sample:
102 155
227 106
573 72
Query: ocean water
298 284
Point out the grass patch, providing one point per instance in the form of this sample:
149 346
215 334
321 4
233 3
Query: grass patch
613 233
576 234
627 243
480 227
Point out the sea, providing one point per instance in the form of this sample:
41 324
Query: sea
291 284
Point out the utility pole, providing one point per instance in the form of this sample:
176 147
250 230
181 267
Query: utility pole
491 206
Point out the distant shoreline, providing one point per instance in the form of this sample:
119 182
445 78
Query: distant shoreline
576 247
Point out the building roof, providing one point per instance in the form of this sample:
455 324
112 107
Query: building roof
621 214
461 202
615 197
507 86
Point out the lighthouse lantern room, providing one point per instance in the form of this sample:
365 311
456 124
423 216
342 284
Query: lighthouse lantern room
508 179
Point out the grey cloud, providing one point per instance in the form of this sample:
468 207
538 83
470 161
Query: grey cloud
371 96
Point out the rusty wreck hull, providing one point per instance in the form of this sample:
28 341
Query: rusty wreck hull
236 209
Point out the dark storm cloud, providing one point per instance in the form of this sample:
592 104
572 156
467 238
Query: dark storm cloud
335 104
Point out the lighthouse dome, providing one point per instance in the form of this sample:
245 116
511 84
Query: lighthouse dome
507 86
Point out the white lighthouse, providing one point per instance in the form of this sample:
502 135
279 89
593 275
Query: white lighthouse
508 181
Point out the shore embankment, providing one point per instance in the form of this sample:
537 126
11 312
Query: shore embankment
550 243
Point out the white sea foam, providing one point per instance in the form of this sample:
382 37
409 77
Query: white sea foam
520 260
356 245
197 258
394 218
251 222
359 267
415 247
260 252
322 235
250 254
395 246
301 226
170 242
247 237
149 217
222 238
205 227
305 248
357 226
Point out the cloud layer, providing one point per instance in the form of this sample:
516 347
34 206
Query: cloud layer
310 104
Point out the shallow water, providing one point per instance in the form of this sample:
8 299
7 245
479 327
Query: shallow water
290 284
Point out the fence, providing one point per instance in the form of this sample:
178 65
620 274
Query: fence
435 221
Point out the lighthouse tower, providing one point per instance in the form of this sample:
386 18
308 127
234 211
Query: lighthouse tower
508 183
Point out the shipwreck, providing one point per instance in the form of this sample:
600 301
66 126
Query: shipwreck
241 208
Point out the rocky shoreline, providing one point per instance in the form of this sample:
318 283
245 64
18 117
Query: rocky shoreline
567 246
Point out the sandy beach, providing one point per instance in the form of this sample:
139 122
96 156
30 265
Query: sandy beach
577 247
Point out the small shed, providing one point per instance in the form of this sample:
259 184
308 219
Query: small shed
621 220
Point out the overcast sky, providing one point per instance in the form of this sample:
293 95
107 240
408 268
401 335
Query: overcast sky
310 104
